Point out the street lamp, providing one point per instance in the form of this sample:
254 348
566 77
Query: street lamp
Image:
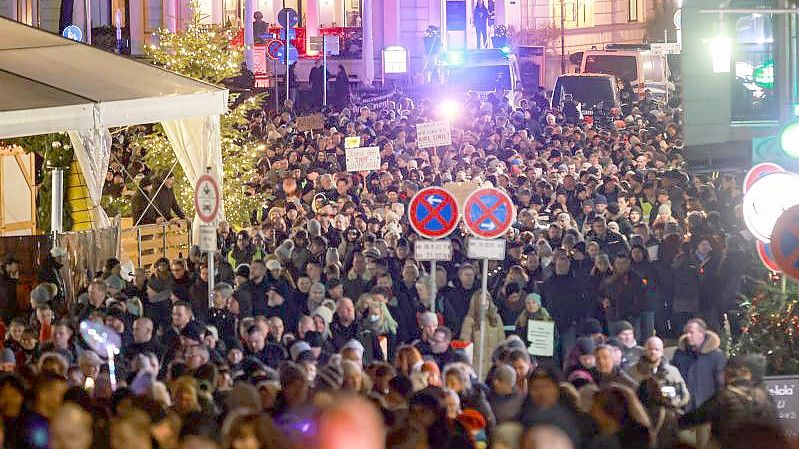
562 37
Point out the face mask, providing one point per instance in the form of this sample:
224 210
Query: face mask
374 318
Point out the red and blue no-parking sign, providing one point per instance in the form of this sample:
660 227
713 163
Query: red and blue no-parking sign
433 213
767 256
488 213
758 171
785 242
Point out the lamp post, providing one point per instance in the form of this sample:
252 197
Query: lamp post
562 37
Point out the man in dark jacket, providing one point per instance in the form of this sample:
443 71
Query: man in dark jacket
700 362
270 354
254 291
345 327
144 212
624 294
563 298
743 401
165 200
457 301
609 241
9 273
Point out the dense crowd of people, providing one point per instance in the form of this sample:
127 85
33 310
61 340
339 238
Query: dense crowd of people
322 328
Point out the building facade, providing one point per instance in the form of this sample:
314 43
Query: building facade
586 23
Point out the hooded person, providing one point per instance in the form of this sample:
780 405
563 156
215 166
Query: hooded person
322 317
157 307
316 295
494 329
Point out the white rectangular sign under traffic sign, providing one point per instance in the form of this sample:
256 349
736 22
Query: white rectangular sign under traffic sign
493 249
433 134
428 250
363 159
207 237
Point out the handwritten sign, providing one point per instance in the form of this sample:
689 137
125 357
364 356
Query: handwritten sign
352 142
784 390
541 335
363 159
433 134
310 122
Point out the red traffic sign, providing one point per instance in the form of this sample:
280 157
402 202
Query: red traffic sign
433 212
758 171
207 198
273 47
488 213
767 256
785 242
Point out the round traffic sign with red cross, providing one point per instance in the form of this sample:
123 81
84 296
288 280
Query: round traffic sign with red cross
433 212
758 171
785 242
488 213
766 255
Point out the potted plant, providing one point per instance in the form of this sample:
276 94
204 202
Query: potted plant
500 38
432 40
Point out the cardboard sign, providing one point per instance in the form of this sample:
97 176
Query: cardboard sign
541 335
363 159
433 134
352 142
310 122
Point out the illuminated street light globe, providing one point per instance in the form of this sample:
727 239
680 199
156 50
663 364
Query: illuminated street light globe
766 200
789 139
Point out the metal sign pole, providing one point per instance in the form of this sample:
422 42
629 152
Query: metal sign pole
483 310
286 49
211 277
433 286
324 71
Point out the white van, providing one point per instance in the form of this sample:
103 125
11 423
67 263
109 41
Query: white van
643 69
481 71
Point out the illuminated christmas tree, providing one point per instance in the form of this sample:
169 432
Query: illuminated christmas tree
771 327
205 53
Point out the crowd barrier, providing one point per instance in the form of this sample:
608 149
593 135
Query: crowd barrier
145 244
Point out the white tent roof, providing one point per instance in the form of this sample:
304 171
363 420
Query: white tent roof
50 84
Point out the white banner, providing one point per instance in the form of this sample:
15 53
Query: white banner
363 159
433 134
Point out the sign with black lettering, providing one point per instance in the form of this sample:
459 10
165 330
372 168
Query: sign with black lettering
433 134
784 390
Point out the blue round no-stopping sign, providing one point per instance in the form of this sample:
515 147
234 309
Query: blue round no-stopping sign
433 213
488 213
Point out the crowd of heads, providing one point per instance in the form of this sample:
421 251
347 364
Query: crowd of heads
323 329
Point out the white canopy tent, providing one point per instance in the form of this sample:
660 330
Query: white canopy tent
51 84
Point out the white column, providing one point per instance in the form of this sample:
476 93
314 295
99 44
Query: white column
249 39
136 27
500 12
311 20
368 56
218 12
170 15
391 22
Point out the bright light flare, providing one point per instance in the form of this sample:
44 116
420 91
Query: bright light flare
449 110
721 54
